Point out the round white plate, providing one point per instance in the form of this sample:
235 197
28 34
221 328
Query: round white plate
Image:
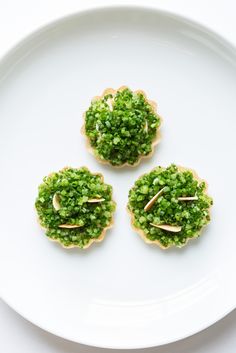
121 293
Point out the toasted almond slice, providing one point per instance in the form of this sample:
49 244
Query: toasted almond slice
55 202
188 198
95 200
70 226
146 126
151 202
167 227
110 103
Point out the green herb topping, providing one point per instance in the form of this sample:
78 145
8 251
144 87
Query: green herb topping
121 127
169 205
74 206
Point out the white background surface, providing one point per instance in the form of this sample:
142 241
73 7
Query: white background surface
17 19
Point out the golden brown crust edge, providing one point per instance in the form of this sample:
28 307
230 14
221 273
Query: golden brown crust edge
157 242
155 142
96 240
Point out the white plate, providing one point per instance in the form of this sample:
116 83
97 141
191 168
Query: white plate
121 293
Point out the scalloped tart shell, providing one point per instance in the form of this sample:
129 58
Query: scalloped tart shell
96 240
155 141
157 242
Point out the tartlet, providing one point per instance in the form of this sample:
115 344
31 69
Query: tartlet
169 206
75 207
121 127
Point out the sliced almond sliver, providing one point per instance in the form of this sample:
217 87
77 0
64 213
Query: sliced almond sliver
55 202
146 126
95 200
109 102
188 198
167 227
70 226
151 202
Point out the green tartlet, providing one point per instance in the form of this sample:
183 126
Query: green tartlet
75 207
121 127
169 206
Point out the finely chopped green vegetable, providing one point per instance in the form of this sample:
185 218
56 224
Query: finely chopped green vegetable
121 127
189 215
74 197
